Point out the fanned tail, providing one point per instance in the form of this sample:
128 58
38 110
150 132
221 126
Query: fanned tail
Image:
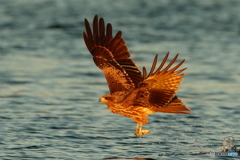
176 106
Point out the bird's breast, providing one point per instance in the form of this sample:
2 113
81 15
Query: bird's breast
129 111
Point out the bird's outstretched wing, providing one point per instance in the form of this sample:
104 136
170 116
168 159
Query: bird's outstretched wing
158 89
111 55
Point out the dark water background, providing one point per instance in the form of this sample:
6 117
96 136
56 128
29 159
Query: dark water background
49 85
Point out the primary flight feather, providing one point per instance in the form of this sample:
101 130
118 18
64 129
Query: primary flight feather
133 94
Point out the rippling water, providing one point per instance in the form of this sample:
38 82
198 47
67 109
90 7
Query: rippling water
49 85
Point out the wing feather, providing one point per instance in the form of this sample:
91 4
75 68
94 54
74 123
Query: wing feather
158 90
116 76
144 73
111 54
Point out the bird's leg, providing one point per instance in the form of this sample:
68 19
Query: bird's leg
139 131
136 130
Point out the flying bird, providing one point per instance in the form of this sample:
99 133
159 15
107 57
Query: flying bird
133 94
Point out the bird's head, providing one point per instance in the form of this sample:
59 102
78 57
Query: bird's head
106 99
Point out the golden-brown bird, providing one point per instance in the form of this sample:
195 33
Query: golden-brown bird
133 94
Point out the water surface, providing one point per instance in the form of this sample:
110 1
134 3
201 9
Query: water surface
49 85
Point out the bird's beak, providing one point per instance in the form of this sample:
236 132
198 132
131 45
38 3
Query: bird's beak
99 100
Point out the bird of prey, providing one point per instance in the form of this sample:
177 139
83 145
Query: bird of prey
133 94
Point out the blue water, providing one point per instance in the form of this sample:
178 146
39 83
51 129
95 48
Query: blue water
49 85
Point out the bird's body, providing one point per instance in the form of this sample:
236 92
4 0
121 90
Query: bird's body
132 94
138 112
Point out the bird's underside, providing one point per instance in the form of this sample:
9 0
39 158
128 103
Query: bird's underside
133 94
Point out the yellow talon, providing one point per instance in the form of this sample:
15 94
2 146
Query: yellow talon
139 132
145 132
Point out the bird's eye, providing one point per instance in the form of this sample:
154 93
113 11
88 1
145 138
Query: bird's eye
107 98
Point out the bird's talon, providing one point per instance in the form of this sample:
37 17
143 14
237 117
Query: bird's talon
145 132
142 132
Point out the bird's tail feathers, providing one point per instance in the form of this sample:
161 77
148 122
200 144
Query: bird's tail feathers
175 106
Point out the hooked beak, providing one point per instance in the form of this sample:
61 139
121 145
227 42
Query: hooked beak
99 100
